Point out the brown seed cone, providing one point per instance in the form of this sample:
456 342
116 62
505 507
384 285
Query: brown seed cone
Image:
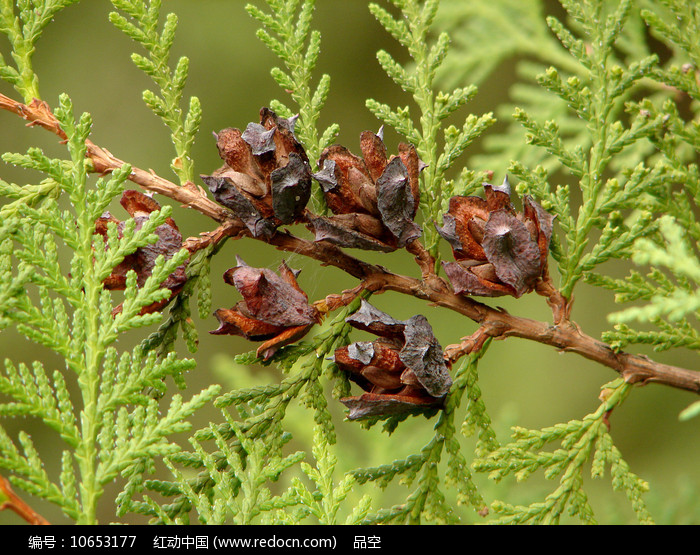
142 261
498 251
266 179
274 308
403 371
385 189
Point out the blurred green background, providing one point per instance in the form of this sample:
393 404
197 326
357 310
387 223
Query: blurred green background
523 383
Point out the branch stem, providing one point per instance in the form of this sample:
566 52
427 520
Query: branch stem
9 500
564 334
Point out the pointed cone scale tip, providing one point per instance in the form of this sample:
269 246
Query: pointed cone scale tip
380 133
504 187
284 266
295 272
258 138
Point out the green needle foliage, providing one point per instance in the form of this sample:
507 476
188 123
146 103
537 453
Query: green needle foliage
607 192
109 424
286 31
260 435
141 24
581 441
600 129
438 144
669 291
23 23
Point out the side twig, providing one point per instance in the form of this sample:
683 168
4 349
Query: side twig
9 500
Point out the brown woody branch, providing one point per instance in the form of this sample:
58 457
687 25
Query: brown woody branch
14 503
470 344
563 334
38 113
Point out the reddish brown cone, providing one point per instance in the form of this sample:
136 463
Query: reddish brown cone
403 371
142 261
497 250
265 179
274 308
374 199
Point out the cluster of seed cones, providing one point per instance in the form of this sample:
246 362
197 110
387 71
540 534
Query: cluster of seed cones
266 182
